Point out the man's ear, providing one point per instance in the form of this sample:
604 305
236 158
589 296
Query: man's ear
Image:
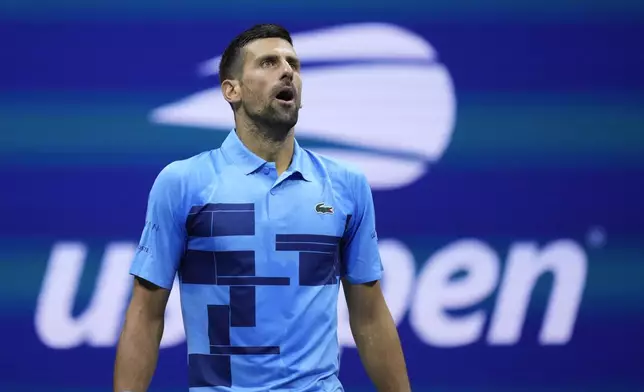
231 91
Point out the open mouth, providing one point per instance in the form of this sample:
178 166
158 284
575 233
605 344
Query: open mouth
286 95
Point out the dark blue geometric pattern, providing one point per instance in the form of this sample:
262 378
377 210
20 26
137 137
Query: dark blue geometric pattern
319 257
221 219
224 268
318 269
244 350
206 370
218 330
242 298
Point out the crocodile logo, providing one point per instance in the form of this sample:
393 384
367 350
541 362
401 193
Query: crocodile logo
322 208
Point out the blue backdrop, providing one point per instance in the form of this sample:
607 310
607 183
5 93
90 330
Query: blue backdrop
504 142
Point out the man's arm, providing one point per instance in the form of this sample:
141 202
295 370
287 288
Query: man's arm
371 324
376 336
138 347
154 268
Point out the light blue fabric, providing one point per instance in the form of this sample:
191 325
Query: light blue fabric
259 258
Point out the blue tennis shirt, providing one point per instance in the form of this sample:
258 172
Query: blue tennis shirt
259 257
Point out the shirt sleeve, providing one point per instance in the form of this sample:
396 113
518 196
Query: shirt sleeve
164 235
360 255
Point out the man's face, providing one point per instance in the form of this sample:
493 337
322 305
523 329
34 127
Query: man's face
271 85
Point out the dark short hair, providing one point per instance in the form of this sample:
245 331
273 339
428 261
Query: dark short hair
230 62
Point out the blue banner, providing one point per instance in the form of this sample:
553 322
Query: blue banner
503 141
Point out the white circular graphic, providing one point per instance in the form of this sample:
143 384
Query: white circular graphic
382 97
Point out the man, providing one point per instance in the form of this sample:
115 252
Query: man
260 232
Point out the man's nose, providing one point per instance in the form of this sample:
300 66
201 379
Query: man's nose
287 70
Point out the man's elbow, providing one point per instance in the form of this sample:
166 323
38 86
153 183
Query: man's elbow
376 317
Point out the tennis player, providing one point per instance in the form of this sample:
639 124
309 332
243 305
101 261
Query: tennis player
261 233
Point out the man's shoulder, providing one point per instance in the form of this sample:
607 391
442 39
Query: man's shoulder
180 176
337 169
182 168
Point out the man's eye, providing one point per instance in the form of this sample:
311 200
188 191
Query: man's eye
267 63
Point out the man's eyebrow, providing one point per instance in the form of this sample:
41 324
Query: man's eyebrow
266 56
293 59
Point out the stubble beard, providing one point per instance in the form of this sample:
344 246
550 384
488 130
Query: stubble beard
275 124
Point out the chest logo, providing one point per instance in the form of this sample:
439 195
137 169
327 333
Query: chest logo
322 208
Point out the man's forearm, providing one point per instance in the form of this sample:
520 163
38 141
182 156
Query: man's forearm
380 351
137 354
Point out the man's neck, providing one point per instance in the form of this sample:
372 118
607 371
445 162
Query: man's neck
258 140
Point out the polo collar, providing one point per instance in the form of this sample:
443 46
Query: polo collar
240 155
